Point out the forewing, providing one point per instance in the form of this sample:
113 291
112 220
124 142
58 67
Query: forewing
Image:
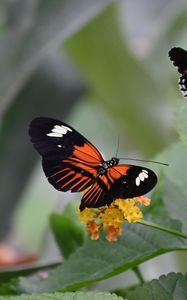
179 58
134 181
121 181
70 161
55 139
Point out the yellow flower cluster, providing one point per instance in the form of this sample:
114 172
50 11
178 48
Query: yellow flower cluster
131 212
111 218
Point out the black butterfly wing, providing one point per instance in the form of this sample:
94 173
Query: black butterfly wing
136 181
70 161
121 181
179 58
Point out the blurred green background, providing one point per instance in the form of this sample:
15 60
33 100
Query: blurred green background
101 66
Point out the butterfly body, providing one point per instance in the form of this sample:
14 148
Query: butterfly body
179 58
108 164
72 163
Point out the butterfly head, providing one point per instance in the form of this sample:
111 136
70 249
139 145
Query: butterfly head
114 161
110 163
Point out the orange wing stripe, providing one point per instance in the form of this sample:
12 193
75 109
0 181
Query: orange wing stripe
79 182
96 199
68 182
63 177
82 166
87 153
89 194
122 169
61 171
82 186
105 181
93 194
117 171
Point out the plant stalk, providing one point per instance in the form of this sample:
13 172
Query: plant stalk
139 275
160 227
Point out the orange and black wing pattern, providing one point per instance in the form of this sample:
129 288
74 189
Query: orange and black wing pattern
121 181
179 58
70 161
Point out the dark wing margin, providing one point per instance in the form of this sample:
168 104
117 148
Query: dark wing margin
70 161
135 181
179 58
67 177
55 139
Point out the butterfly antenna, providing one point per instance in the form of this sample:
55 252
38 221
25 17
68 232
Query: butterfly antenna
117 147
151 161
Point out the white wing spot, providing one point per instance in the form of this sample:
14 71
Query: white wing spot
137 181
60 146
59 131
54 134
141 177
146 175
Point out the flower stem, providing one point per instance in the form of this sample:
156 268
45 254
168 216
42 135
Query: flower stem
157 226
138 274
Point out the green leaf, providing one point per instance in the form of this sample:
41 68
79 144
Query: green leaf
50 23
181 121
157 207
13 272
119 80
98 260
68 232
170 287
175 188
67 296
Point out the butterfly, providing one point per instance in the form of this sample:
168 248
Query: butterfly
72 163
179 58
